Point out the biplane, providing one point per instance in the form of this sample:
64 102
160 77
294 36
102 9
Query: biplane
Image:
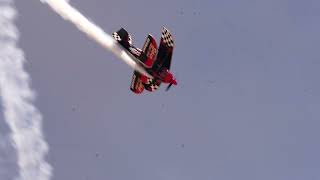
155 60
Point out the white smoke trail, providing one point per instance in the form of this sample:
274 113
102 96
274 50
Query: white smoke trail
71 14
23 119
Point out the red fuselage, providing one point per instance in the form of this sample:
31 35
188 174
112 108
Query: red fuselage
164 75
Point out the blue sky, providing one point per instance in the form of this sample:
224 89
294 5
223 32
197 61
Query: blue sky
246 107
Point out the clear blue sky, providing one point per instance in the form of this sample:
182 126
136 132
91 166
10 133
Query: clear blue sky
247 106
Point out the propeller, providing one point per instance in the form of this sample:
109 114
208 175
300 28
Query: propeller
173 81
167 89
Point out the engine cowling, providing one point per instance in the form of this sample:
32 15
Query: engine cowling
167 77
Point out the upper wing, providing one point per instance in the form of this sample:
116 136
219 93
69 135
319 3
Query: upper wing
165 50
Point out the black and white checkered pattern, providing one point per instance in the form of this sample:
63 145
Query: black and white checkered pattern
167 37
116 36
152 85
129 39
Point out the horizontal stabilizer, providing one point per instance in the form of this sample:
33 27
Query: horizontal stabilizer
123 37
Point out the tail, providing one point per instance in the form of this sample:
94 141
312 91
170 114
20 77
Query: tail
123 37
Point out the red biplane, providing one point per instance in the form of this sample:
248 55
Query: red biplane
156 61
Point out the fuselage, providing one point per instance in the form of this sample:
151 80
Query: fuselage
157 72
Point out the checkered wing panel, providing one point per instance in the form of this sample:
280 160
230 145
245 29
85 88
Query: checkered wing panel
167 38
116 36
165 50
152 85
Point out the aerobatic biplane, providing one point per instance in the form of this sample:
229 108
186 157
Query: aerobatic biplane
156 61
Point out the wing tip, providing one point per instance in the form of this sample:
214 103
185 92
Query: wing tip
167 37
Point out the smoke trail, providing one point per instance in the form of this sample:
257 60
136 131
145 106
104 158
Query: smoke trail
71 14
8 166
23 119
